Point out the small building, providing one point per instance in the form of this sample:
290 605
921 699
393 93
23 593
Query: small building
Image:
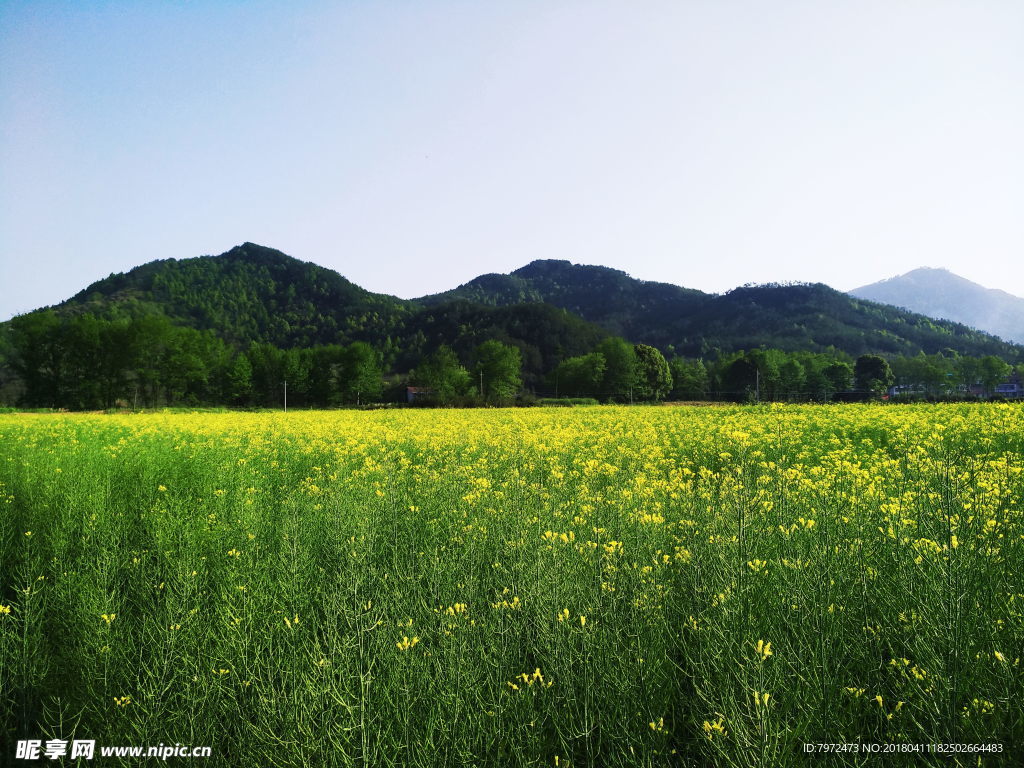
1011 389
414 394
904 390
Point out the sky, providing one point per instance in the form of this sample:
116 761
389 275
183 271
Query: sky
412 146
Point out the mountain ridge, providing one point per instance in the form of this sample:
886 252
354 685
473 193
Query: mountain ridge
253 293
940 293
808 316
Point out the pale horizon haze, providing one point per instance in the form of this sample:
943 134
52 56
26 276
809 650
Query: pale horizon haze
414 146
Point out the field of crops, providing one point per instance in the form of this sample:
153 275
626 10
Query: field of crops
588 587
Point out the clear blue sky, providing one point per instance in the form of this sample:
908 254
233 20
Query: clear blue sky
414 145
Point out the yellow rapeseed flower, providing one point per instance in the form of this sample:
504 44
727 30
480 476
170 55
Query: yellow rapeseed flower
714 728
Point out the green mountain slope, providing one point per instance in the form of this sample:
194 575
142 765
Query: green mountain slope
790 317
257 294
172 331
551 309
608 297
251 293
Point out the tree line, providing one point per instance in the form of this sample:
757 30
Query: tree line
776 375
82 362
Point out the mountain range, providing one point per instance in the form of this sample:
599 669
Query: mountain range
941 294
551 309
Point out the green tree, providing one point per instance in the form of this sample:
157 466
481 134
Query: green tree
184 369
499 367
150 340
7 377
39 357
924 372
442 372
689 379
739 379
268 372
792 380
240 380
839 376
295 370
98 359
872 372
993 372
654 379
324 374
620 368
579 376
816 385
768 380
968 371
362 379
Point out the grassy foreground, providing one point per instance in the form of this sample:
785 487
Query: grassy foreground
585 587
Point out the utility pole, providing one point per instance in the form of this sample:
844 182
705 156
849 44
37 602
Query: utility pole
757 390
286 395
481 385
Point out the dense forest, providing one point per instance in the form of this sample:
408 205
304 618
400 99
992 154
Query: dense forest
233 329
794 318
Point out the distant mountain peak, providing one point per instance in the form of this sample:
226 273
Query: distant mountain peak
545 263
540 266
249 250
942 294
929 273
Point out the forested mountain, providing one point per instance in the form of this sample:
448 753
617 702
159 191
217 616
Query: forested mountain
818 318
622 305
258 294
941 294
233 328
689 322
174 321
251 293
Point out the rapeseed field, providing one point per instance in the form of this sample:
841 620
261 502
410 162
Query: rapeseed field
607 586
